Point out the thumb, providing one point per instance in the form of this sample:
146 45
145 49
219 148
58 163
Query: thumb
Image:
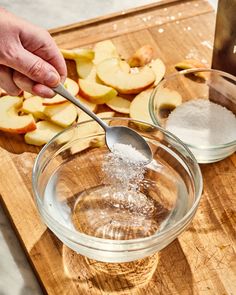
35 68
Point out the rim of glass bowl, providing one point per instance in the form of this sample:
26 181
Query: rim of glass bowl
76 236
181 73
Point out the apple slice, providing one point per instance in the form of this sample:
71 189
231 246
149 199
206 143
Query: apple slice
142 56
92 76
139 109
34 106
103 50
57 99
43 134
159 70
110 72
70 85
125 67
63 114
10 121
78 53
27 95
95 92
90 105
85 131
86 143
119 104
92 127
84 67
167 99
192 63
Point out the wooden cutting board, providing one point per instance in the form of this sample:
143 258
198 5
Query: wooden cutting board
202 260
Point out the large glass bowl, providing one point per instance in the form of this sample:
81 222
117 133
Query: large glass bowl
78 203
210 86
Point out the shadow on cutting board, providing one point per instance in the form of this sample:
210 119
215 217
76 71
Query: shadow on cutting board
63 271
14 144
151 275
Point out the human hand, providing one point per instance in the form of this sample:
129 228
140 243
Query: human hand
29 58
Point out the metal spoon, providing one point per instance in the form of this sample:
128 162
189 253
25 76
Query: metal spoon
113 134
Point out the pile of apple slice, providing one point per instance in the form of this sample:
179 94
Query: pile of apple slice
104 78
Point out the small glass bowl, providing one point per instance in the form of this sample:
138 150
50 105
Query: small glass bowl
206 84
82 208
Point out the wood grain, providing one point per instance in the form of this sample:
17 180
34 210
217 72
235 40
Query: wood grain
202 260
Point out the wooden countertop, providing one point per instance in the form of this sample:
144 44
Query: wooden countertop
202 260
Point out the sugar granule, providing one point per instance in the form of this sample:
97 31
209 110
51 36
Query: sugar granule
124 167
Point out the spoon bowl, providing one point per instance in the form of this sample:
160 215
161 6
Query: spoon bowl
117 134
127 136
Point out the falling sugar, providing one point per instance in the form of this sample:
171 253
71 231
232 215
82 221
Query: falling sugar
124 168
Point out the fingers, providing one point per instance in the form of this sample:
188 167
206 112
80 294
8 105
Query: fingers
25 83
52 55
43 91
31 51
45 47
33 67
6 81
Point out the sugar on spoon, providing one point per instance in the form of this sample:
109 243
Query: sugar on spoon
113 134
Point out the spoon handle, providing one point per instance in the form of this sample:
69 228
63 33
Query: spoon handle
60 89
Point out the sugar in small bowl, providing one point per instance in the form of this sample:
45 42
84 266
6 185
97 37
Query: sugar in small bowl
199 107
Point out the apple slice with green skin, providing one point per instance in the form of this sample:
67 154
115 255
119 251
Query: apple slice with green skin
103 50
167 99
95 92
139 109
34 106
43 134
111 74
10 121
70 85
63 114
78 53
84 66
119 104
159 70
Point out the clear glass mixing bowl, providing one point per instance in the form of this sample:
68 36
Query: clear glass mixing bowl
93 216
205 84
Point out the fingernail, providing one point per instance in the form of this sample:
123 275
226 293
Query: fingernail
52 79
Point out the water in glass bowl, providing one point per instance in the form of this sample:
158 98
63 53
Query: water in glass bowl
103 198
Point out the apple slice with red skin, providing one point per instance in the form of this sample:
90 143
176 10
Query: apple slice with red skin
111 74
10 121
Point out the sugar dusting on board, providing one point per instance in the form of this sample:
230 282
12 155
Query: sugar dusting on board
202 122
